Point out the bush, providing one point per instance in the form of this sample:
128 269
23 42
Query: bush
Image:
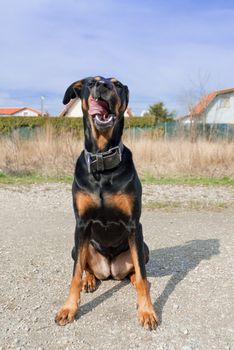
159 111
9 124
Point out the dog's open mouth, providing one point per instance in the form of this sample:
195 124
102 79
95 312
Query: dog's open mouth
100 112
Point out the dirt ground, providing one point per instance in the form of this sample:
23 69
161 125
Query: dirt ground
191 270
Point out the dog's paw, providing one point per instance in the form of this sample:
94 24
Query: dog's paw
89 283
65 315
147 319
132 278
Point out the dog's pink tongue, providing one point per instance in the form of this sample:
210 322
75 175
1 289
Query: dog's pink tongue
98 107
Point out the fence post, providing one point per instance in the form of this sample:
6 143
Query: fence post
227 133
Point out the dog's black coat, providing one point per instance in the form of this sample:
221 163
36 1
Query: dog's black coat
107 202
107 228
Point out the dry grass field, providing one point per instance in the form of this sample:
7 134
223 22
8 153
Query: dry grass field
52 155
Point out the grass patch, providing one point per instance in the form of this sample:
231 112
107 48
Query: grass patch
147 179
33 179
195 205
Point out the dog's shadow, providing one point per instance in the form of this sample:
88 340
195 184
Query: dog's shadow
174 261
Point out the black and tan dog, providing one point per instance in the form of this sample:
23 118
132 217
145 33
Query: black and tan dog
107 201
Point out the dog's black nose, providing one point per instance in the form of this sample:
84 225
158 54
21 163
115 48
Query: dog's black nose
103 83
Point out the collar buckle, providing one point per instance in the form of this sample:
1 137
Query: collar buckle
105 160
100 162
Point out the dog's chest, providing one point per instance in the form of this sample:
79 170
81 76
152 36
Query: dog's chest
108 214
106 205
109 233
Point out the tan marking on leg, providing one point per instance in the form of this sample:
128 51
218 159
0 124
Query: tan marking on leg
121 265
89 282
69 310
145 313
122 201
98 264
84 201
132 278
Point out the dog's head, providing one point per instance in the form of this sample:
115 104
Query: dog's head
103 100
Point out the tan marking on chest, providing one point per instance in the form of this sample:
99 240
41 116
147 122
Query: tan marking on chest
102 139
122 201
85 201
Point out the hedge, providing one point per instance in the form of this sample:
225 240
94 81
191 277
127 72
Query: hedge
8 124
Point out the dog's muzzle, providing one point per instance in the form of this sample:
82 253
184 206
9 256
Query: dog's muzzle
101 114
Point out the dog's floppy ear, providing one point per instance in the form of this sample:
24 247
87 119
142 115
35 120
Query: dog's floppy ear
127 94
73 91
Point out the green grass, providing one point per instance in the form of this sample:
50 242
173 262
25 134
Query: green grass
189 180
32 179
146 179
196 205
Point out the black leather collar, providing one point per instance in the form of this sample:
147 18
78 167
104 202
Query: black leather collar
104 161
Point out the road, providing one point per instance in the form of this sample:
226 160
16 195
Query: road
190 270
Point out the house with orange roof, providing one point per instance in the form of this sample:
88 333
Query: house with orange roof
215 108
19 112
74 109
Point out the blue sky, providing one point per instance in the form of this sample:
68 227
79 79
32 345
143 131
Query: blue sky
163 50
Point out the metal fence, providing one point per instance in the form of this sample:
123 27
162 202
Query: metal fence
169 130
166 130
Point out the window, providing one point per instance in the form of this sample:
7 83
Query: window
25 113
224 102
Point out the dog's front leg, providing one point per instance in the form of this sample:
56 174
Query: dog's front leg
69 310
145 310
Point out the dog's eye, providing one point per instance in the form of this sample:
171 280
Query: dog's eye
118 84
91 83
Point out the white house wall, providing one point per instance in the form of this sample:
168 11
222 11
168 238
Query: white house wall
217 114
25 113
75 110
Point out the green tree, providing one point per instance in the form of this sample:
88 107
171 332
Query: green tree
160 112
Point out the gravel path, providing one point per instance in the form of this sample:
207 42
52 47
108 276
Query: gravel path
188 196
190 270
